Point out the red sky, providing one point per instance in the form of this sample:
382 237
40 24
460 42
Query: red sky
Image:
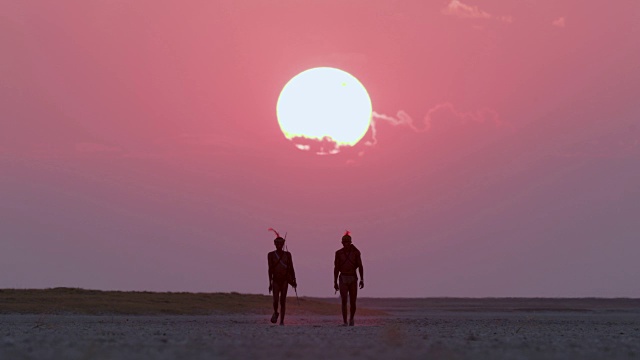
139 146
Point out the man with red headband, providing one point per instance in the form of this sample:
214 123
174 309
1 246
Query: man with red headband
281 274
346 262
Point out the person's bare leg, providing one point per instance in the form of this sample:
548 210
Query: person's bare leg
283 303
276 297
353 296
344 292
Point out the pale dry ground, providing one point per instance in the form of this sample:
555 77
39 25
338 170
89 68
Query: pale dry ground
421 328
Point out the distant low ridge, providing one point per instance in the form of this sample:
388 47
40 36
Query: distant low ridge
96 302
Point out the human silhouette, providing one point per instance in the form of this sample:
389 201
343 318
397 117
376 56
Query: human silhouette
345 279
281 274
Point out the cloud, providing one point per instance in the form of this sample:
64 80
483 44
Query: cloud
461 10
456 8
441 117
506 18
324 146
559 22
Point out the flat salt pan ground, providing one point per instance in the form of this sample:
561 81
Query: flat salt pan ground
478 329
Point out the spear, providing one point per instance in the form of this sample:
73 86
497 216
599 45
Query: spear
287 249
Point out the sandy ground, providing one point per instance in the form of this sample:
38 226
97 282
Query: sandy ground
407 333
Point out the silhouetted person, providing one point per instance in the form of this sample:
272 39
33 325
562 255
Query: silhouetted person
281 273
347 260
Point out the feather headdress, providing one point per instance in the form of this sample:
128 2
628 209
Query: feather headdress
278 237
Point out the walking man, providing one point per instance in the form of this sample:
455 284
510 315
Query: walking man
345 279
281 274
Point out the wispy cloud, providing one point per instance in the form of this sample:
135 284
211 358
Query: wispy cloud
457 8
440 117
559 22
461 10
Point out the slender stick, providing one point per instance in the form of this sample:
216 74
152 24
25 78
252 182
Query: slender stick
287 249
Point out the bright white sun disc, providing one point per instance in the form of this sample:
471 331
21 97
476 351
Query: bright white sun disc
326 105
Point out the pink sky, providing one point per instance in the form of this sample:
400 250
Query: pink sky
140 150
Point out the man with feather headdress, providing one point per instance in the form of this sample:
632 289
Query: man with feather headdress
281 274
345 279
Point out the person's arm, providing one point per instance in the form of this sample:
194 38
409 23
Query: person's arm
336 271
293 272
270 272
361 270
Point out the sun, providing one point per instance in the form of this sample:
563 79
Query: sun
323 109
